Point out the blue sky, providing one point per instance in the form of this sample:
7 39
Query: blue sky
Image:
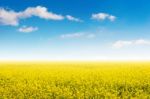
74 30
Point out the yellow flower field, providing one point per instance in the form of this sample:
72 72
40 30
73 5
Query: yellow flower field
75 80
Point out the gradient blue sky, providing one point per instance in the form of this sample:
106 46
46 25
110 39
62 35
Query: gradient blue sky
83 37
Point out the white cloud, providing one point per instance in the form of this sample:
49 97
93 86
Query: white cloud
10 17
103 16
73 35
122 43
25 29
71 18
41 12
78 35
111 18
142 42
119 44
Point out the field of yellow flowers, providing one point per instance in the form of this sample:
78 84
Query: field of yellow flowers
75 80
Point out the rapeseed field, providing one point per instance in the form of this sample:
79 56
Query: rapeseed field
75 80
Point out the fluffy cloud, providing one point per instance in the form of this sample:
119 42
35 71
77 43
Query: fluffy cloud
25 29
111 18
71 18
78 35
121 43
10 17
40 12
103 16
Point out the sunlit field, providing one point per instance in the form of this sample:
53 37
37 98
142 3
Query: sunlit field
75 80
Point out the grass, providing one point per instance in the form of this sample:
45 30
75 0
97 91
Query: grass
75 80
